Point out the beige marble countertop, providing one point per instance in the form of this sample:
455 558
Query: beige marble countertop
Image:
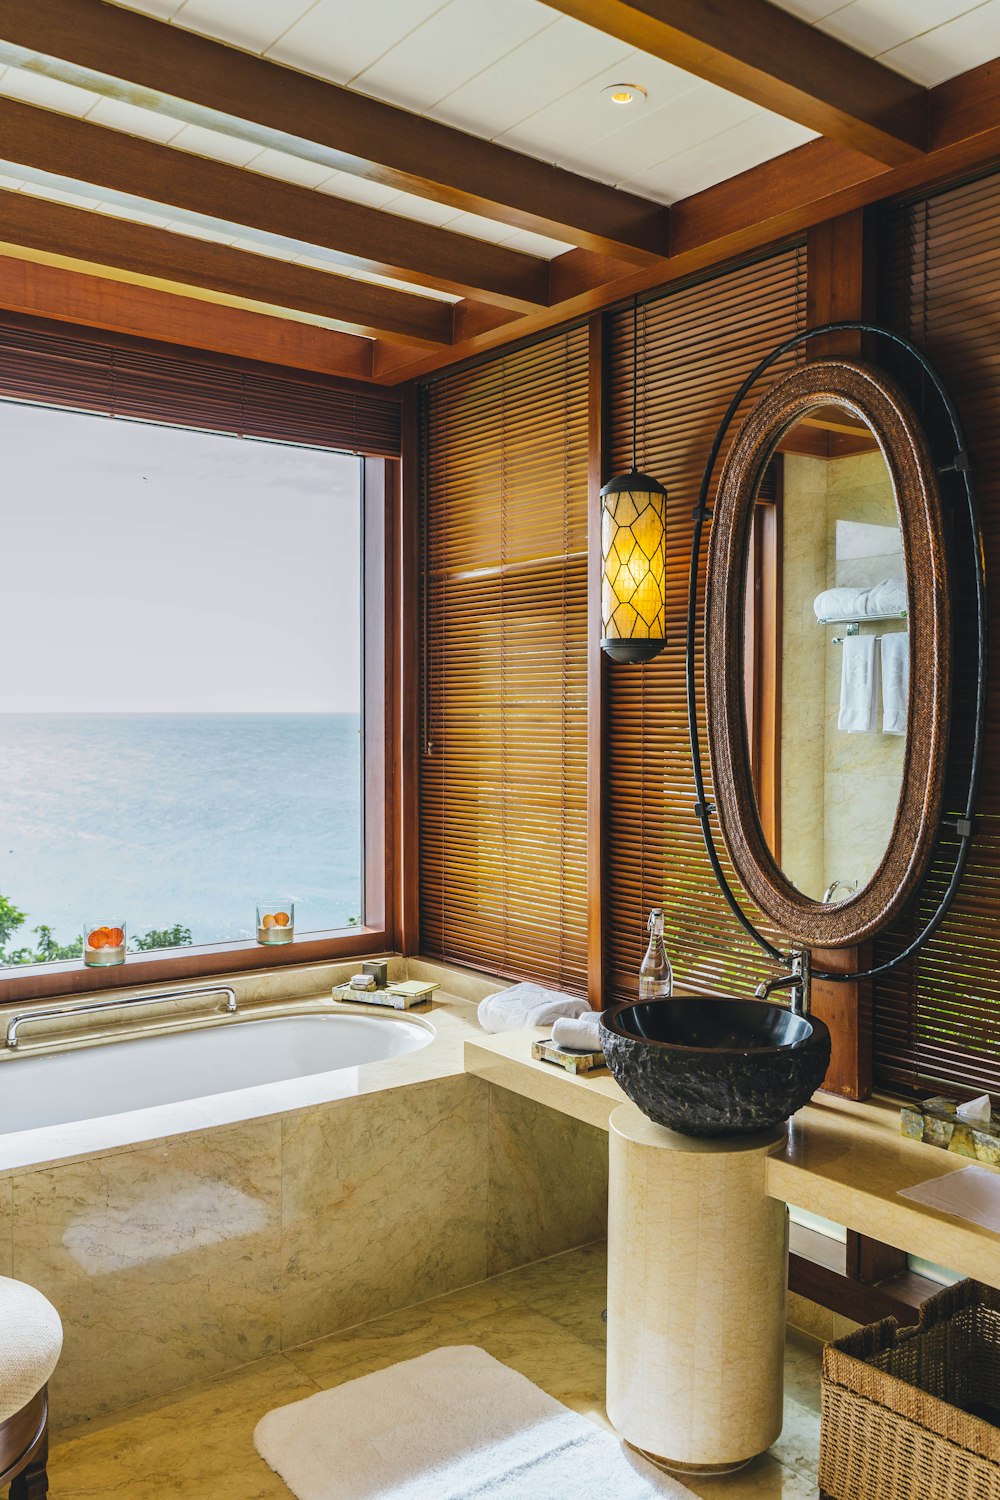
843 1160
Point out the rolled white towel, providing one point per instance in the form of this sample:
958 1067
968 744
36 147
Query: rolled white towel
886 598
839 604
527 1005
578 1033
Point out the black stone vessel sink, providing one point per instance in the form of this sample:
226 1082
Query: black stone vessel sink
715 1066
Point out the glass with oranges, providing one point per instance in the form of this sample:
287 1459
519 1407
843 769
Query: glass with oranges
103 944
276 920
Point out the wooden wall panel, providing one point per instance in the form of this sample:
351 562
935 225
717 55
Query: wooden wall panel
504 734
937 1020
696 344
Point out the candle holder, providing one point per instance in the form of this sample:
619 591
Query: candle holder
276 920
103 944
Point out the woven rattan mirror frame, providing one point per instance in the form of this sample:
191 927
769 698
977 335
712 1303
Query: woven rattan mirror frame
873 398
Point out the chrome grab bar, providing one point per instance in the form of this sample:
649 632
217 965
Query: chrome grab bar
92 1007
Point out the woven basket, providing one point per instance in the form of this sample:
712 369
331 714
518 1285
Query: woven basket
913 1413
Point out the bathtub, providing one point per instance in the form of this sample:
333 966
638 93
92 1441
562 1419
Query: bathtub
245 1065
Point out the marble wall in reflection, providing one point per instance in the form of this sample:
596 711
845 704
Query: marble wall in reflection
181 1260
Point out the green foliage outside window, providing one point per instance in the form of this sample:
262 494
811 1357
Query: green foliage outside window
46 950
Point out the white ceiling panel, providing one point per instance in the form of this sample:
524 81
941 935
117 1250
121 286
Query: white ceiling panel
732 151
677 126
47 93
874 28
251 24
809 10
337 41
162 9
357 189
139 215
133 120
59 195
288 168
454 44
555 61
950 49
585 116
215 144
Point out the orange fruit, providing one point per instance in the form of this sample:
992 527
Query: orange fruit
115 937
281 919
268 921
99 938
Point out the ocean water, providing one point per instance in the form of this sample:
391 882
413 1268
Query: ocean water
189 818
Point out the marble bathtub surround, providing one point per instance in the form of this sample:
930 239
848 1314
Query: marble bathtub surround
543 1320
176 1258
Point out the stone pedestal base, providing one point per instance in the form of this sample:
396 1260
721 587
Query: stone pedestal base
697 1271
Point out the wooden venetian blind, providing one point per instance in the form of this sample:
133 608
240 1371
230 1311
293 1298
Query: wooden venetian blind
937 1021
503 764
695 345
121 377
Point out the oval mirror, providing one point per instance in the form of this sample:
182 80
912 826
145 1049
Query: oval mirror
829 669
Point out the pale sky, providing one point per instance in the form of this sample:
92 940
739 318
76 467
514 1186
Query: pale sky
153 570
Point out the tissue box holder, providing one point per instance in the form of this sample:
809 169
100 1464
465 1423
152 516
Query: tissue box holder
936 1123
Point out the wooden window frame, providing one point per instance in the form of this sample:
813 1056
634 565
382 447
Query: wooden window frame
380 498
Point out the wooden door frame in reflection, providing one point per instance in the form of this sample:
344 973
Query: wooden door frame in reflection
875 399
762 654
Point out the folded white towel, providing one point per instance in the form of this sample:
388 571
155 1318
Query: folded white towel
895 681
886 598
839 604
578 1033
527 1005
857 684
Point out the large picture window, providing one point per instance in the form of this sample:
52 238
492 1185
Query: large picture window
198 703
180 708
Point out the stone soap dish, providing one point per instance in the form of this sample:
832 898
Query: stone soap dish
573 1062
936 1122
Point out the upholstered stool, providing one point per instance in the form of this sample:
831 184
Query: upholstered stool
30 1344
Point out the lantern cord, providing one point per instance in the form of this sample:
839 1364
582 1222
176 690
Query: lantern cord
635 383
962 825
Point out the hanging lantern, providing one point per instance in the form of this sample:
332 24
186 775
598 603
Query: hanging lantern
633 554
633 588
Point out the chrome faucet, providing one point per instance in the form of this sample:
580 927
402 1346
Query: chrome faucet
850 886
798 982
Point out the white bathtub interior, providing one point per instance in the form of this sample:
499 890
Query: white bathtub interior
138 1073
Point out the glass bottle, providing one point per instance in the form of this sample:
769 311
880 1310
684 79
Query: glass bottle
656 978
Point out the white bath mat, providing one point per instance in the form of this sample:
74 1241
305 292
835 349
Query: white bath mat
452 1425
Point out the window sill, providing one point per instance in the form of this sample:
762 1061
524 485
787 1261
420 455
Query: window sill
46 981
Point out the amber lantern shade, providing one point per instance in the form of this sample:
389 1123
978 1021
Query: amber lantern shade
633 587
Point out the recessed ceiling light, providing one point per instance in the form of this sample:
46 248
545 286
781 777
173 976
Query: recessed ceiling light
621 94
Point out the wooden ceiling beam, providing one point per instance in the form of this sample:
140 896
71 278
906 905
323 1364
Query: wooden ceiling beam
56 229
367 238
766 204
765 54
94 302
366 136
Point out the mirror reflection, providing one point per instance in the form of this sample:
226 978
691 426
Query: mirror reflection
826 654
